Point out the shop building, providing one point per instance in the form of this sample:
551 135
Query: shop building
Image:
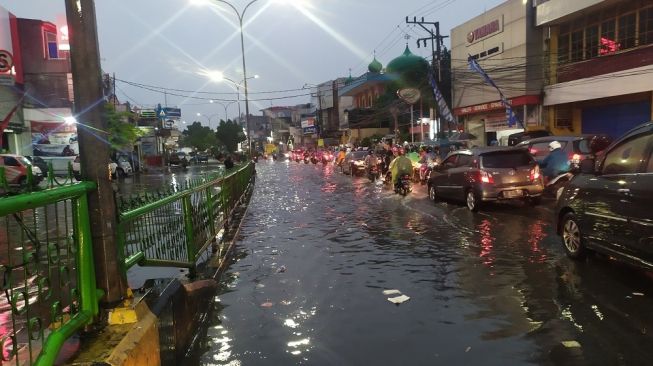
508 46
600 64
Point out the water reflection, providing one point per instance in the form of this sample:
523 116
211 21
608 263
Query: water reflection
491 288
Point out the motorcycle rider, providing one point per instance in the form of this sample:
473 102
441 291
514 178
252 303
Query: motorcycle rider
556 163
399 166
371 160
341 156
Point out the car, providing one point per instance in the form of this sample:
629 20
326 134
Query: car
516 138
118 170
607 208
354 163
484 174
202 157
16 167
576 147
179 158
39 162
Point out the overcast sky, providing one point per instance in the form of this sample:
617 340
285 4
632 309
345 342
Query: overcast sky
166 43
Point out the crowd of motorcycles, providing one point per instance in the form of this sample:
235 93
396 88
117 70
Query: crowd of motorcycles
358 163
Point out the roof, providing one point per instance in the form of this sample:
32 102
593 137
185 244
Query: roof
559 138
487 149
366 80
406 62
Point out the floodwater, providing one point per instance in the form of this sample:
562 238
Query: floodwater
318 248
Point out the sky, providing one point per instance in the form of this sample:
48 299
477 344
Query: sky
290 45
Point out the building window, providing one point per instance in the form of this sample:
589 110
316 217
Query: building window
592 41
627 27
563 48
51 49
577 46
646 26
608 38
562 116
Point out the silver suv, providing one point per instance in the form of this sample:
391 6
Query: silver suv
487 174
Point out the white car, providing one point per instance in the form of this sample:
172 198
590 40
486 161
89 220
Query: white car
118 170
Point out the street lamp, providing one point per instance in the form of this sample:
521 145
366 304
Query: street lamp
225 106
218 76
240 16
208 118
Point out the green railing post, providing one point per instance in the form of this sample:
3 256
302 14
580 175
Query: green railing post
209 204
3 179
30 179
89 293
188 224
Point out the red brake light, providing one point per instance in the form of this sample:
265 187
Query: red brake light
533 151
535 173
486 177
575 158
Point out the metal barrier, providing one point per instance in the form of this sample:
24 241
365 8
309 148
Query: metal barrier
174 228
48 278
46 253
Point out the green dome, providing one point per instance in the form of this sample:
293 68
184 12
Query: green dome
375 66
407 63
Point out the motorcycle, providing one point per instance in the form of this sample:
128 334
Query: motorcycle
326 158
425 171
373 173
404 185
554 186
314 159
307 159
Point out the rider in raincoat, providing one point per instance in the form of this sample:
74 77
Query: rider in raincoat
399 166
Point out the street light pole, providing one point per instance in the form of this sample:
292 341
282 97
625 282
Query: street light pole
242 50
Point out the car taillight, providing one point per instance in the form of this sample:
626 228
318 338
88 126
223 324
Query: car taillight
533 151
575 158
535 173
485 177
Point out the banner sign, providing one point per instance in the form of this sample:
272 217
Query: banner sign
443 108
510 116
54 139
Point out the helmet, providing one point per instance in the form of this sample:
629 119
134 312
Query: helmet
554 145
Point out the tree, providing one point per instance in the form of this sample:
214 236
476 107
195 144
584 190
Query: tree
122 133
230 134
199 137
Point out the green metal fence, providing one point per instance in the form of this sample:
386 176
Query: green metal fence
48 279
174 228
46 253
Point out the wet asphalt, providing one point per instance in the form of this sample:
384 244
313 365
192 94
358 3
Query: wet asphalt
318 248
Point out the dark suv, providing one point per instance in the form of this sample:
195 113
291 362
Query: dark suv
487 174
577 148
607 208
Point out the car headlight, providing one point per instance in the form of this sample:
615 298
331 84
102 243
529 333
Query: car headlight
359 163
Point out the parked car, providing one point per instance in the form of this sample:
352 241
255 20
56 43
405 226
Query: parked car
179 158
516 138
39 162
16 167
607 208
354 163
118 170
485 174
576 147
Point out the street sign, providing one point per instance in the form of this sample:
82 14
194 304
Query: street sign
172 112
169 123
6 61
310 130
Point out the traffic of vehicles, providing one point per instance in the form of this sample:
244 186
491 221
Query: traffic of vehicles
602 204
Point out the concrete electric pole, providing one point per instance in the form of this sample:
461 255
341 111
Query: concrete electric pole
94 146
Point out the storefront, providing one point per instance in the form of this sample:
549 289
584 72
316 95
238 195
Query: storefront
488 122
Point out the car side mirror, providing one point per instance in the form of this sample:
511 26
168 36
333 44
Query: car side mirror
587 166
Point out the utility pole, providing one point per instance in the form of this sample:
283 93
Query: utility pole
436 47
94 150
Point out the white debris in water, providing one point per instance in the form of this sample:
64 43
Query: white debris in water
391 292
571 344
638 294
399 299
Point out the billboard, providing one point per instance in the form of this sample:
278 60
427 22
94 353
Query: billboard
10 59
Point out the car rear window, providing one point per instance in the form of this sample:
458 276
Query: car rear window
359 154
506 159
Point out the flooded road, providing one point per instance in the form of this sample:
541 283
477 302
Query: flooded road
318 249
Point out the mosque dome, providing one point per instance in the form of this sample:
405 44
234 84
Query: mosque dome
375 66
407 63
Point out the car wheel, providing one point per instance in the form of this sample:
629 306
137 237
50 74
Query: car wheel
472 201
433 194
572 238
